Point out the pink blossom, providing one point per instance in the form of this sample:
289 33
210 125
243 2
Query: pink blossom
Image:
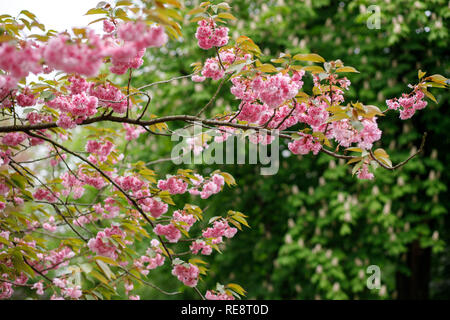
78 85
186 273
62 53
252 112
19 62
363 173
305 144
13 138
73 292
277 89
132 131
169 231
369 134
173 185
45 194
212 69
149 204
209 35
100 148
187 220
200 245
39 286
50 225
106 93
4 189
101 244
211 295
66 122
6 289
108 26
220 228
26 98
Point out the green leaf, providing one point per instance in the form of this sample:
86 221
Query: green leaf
107 260
241 220
30 15
346 69
226 15
228 178
429 95
95 11
420 74
98 276
124 3
314 69
309 57
106 270
236 288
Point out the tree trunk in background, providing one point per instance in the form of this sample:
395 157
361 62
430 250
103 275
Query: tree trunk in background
415 286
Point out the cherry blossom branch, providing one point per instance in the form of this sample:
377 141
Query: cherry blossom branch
213 97
106 177
165 81
422 145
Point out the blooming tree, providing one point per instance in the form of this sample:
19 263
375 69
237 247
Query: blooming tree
126 229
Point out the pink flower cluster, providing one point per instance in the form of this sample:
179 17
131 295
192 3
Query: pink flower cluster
107 93
45 195
57 258
26 98
100 148
130 183
75 183
110 206
73 292
149 204
272 92
363 172
220 228
408 104
13 138
75 109
169 231
108 26
71 56
50 225
174 185
34 118
276 89
151 260
305 144
18 62
210 35
186 273
210 187
132 132
212 69
212 295
101 244
136 37
369 134
315 114
344 133
200 245
186 221
6 288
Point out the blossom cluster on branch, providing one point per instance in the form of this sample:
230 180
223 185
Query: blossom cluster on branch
98 206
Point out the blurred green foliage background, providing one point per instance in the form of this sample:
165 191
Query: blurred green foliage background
315 228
